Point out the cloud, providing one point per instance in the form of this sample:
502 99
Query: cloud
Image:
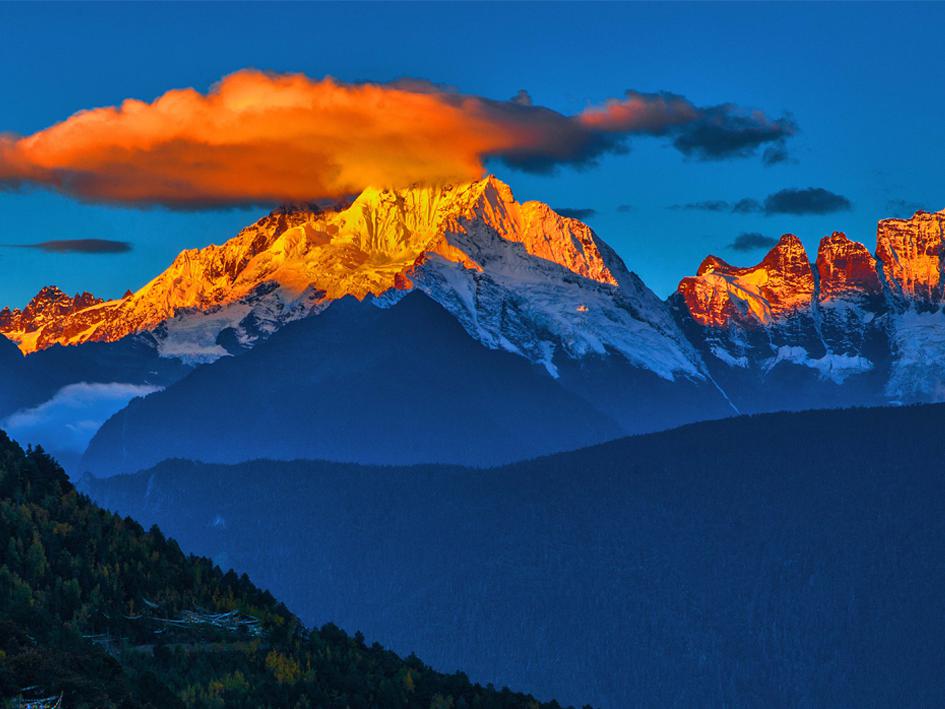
576 212
774 154
712 205
522 98
258 138
811 200
79 246
724 131
746 206
71 417
752 240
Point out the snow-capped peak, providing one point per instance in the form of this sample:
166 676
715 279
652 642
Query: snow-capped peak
518 276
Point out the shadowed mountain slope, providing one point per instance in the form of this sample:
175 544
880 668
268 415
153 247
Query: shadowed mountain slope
403 384
774 560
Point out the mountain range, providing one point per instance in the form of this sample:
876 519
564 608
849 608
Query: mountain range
227 326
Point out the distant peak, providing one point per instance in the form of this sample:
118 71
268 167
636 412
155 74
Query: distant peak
54 294
789 243
788 254
48 292
495 183
711 264
845 267
782 282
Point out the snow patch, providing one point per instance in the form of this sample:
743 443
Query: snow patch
832 366
729 359
918 371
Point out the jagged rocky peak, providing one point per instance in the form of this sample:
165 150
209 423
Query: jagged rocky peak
711 264
53 301
911 254
845 268
789 258
47 305
781 284
457 222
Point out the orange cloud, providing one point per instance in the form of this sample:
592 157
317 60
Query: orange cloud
263 138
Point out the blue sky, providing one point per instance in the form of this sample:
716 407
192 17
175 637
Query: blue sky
863 83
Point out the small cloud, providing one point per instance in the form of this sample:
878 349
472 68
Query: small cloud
752 240
624 208
903 208
522 98
712 205
576 212
811 200
775 154
78 246
746 206
721 132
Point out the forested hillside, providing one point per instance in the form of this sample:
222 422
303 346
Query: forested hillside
101 613
775 560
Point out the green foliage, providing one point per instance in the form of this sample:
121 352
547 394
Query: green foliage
83 593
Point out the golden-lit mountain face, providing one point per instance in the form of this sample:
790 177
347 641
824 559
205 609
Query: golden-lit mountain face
913 255
371 247
845 268
780 284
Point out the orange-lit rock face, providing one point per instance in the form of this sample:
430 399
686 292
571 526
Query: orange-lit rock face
911 253
845 268
781 284
49 309
374 245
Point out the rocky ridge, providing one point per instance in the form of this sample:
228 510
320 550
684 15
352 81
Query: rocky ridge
850 314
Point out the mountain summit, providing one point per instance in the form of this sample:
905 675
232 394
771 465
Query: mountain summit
517 276
782 283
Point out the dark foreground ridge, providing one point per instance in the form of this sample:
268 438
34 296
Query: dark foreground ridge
96 612
774 560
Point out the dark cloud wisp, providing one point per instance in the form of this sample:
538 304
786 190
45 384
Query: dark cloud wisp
78 246
746 206
751 240
774 154
725 131
718 132
576 212
809 200
712 205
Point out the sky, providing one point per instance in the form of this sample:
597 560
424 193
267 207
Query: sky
848 97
